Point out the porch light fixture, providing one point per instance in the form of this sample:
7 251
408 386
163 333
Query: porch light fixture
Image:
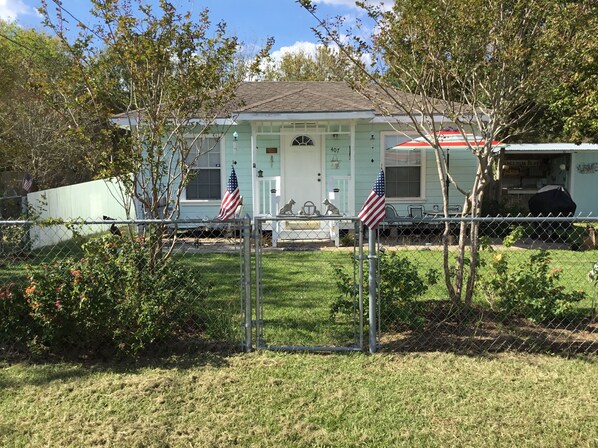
260 173
335 136
235 140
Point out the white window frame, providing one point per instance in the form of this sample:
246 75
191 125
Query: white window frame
222 173
423 158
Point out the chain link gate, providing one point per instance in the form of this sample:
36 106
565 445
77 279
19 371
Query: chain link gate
309 284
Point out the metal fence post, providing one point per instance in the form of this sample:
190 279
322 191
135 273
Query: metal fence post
257 229
247 255
372 288
358 226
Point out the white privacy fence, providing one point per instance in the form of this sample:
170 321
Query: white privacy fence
92 200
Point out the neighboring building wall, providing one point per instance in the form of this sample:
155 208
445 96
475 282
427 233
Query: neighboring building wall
584 182
88 201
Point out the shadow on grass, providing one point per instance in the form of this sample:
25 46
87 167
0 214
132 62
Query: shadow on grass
72 364
482 332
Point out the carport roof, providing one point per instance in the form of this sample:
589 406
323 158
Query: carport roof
550 147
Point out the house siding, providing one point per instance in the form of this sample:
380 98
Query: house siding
367 161
583 185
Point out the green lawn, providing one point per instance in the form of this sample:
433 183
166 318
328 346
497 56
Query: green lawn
299 287
268 399
304 400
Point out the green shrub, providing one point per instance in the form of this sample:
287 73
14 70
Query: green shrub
400 284
114 296
15 321
14 240
529 289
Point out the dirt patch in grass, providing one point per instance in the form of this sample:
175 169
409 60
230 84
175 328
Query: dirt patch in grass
448 329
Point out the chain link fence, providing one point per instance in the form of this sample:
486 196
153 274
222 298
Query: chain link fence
130 287
308 284
122 287
535 285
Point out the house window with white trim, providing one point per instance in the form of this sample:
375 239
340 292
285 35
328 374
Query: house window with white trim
404 168
205 176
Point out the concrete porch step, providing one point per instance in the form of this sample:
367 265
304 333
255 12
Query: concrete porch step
307 234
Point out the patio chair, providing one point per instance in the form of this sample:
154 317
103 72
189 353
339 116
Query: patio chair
391 214
416 211
454 209
421 221
394 224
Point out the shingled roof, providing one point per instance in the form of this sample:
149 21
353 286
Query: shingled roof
300 97
265 99
305 97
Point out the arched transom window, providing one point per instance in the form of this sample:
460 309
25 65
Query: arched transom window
302 140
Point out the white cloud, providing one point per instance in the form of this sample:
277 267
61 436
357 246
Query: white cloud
308 48
10 10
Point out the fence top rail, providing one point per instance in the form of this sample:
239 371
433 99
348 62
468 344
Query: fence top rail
51 222
239 221
494 219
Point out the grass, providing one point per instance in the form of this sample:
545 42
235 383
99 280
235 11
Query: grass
272 400
299 287
267 399
298 290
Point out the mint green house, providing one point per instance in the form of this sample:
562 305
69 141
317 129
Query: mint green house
312 141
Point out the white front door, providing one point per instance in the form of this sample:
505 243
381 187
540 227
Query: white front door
302 174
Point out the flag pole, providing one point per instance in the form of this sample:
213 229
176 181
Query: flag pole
372 213
372 287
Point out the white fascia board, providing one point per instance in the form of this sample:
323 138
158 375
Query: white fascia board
405 118
217 122
304 116
126 122
549 148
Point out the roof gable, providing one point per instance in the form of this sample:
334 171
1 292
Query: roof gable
299 97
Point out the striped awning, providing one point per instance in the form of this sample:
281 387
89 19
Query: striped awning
447 140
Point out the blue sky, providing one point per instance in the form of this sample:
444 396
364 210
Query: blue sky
252 20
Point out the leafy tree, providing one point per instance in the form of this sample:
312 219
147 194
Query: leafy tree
36 137
467 64
174 75
569 91
327 64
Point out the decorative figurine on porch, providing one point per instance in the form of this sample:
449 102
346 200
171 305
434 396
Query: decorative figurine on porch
331 209
287 209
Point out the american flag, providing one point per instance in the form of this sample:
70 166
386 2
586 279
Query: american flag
231 199
27 183
373 212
